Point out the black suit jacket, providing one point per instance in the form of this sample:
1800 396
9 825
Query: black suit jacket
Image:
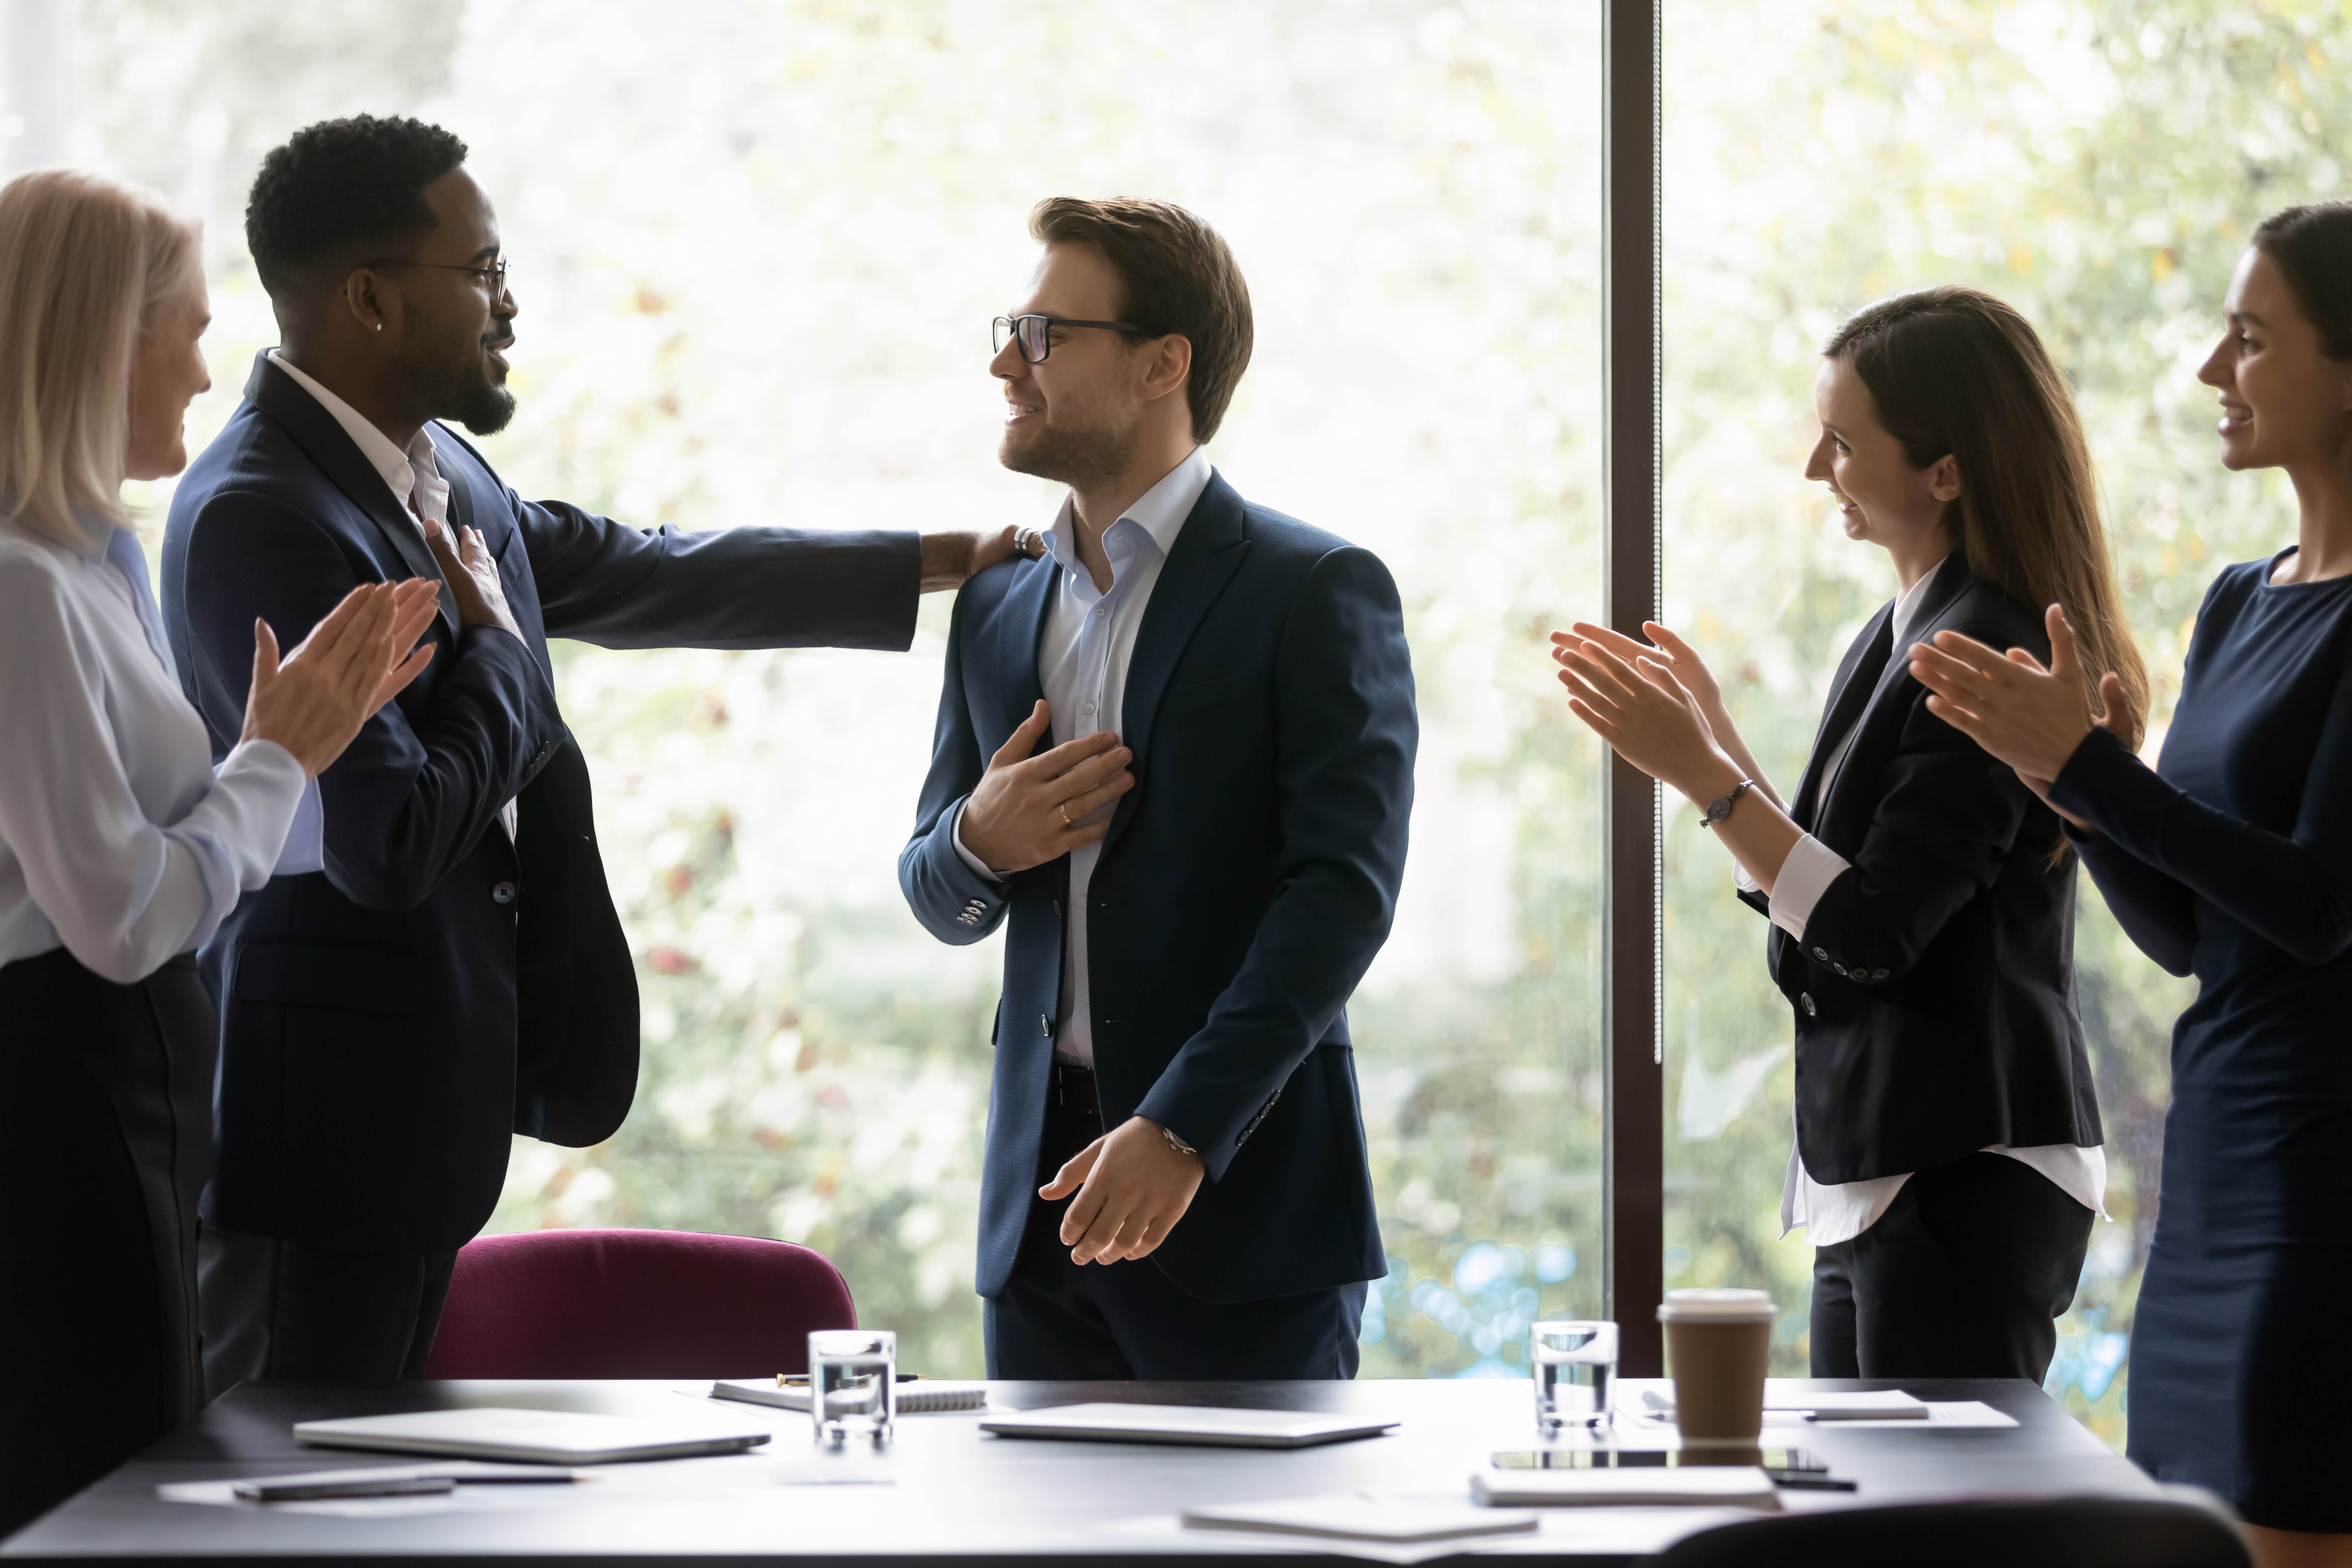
386 1023
1244 886
1934 987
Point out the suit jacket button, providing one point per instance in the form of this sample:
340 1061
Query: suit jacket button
504 894
1878 973
1045 1024
1839 967
1805 1000
1822 953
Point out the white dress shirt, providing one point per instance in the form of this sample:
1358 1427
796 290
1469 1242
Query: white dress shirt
118 840
416 481
1834 1214
1082 666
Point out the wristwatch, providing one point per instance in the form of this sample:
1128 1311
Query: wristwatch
1177 1143
1720 806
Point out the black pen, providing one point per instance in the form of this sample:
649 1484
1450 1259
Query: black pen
1812 1481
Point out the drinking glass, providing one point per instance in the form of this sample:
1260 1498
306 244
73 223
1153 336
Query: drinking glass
853 1384
1574 1362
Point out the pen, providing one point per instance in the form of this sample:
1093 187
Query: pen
800 1379
1805 1481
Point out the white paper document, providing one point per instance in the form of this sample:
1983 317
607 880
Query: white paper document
1363 1516
1712 1485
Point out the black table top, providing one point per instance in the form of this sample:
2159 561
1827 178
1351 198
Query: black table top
962 1495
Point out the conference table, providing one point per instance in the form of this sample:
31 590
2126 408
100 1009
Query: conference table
949 1493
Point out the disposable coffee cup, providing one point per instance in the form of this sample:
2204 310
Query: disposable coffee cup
1716 1345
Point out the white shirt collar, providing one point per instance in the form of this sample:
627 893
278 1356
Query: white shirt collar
400 470
1158 513
1907 609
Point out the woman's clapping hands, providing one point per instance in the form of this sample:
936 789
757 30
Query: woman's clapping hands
314 700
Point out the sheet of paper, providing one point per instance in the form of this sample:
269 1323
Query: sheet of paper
1364 1516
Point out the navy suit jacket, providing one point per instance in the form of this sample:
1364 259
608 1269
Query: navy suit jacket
386 1023
1246 884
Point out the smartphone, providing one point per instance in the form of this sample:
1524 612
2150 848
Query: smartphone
299 1490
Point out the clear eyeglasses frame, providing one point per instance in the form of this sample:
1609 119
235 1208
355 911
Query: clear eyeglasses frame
1035 332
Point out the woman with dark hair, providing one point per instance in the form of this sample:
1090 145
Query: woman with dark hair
1948 1159
2232 861
122 845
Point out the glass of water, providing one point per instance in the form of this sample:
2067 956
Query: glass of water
853 1384
1574 1362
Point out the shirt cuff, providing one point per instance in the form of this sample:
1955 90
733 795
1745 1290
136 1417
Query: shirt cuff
1805 876
306 841
955 834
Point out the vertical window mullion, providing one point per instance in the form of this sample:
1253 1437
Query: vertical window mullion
1632 1243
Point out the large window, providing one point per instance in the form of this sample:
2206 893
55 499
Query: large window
757 247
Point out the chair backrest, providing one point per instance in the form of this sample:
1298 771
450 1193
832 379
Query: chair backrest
634 1303
2058 1532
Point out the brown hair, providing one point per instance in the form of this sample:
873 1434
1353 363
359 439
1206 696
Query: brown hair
88 267
1181 280
1957 373
2312 248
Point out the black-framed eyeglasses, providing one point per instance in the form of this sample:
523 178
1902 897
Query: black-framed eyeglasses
1035 332
494 276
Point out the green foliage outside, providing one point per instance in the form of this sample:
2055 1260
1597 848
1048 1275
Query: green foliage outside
757 250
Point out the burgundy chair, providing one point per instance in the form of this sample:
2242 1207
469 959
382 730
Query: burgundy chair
634 1303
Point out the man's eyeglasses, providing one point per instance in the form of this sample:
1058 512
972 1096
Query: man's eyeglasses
1035 332
493 277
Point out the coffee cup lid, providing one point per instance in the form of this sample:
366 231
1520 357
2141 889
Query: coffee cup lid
1715 1307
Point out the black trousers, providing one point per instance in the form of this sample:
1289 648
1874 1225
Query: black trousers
1963 1276
1057 1319
292 1313
105 1142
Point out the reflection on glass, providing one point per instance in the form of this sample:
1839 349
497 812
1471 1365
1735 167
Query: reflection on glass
1821 155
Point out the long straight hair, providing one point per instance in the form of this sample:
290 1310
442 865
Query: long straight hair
88 267
1957 373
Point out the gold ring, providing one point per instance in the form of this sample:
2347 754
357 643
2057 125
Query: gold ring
1065 809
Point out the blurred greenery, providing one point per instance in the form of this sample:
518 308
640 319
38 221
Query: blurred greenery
757 248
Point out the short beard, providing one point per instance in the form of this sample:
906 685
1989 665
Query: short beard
1079 458
461 390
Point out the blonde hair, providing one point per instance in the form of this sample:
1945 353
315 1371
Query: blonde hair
89 266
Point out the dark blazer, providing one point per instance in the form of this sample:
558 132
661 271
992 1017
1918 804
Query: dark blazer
386 1023
1246 884
1934 987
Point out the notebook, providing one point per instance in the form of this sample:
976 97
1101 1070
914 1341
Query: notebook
918 1398
1206 1426
1704 1485
541 1437
1362 1516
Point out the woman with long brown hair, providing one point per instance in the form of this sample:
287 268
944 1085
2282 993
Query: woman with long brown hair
2232 861
1947 1161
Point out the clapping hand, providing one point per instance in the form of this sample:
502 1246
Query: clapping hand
1633 697
2029 717
356 660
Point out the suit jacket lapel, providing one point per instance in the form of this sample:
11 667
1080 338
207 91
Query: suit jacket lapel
303 417
1021 626
1839 716
1209 551
1940 599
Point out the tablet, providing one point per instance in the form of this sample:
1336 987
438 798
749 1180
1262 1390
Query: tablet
1208 1425
538 1437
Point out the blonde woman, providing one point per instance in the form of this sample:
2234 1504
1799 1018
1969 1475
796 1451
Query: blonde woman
122 846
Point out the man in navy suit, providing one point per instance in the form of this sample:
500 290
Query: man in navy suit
1174 757
437 963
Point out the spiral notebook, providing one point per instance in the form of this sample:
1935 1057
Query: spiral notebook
923 1396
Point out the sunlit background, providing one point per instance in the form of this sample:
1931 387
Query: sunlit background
757 247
